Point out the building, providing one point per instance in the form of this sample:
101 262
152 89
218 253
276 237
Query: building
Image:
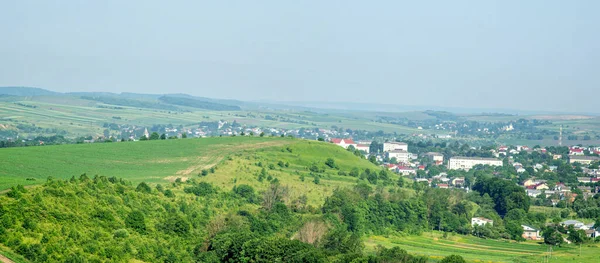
343 142
392 146
576 224
583 159
400 155
481 221
363 147
435 157
466 163
531 233
576 152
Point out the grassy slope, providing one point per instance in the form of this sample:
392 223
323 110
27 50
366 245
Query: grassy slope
475 249
161 161
242 169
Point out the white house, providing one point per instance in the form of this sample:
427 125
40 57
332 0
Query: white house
403 170
531 233
481 221
435 157
392 146
466 163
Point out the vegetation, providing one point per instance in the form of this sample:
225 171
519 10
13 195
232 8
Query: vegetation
195 103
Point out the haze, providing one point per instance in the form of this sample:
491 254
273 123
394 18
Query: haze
528 55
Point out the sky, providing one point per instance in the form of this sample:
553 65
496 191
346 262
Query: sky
529 55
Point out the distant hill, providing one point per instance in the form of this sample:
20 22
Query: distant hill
27 91
197 103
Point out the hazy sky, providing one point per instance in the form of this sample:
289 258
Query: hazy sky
533 55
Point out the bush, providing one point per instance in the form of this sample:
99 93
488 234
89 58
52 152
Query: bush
201 189
121 233
453 259
175 225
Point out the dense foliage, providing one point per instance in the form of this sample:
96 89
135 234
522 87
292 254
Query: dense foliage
196 103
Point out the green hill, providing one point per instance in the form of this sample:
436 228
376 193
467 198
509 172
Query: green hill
232 158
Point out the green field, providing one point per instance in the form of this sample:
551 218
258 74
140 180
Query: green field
164 161
473 249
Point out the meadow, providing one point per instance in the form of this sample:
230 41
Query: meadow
234 160
435 246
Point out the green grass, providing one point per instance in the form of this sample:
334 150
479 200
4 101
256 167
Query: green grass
163 161
10 254
474 249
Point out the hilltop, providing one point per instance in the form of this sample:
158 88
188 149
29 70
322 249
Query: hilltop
229 159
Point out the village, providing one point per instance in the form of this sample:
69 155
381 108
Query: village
450 173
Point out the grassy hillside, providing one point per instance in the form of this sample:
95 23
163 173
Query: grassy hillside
235 158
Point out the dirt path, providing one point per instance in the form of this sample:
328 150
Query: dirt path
4 259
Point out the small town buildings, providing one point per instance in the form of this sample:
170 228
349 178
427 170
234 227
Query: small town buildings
343 142
400 155
531 233
533 192
466 163
539 186
392 146
481 221
583 159
443 186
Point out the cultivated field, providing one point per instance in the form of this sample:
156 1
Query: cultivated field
473 249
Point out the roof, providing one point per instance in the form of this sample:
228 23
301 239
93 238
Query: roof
338 141
577 150
483 219
571 222
399 143
434 154
529 228
405 168
398 151
363 145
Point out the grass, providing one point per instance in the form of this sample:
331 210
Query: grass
162 161
473 249
10 254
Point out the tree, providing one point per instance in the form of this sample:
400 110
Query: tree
453 259
143 188
184 135
154 136
136 220
262 134
552 236
163 136
275 194
373 159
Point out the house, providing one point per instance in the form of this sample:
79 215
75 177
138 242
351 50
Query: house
538 166
443 186
421 167
466 163
531 233
556 156
403 170
503 148
521 170
343 142
458 181
584 179
363 147
583 159
392 146
481 221
576 151
400 155
539 186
